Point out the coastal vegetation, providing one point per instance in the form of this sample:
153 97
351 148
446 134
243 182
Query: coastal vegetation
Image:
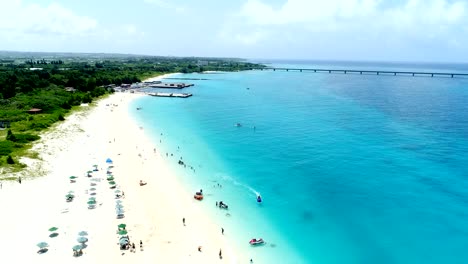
38 90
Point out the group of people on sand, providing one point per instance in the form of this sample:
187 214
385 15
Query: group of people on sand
77 253
133 247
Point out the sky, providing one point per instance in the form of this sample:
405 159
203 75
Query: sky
363 30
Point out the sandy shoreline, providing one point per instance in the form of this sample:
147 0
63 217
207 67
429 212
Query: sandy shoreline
153 213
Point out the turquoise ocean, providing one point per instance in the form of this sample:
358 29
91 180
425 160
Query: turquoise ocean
351 168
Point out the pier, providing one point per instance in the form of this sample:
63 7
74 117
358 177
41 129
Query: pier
372 72
178 95
170 85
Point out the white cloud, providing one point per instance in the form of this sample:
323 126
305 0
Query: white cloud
362 12
372 20
166 4
19 19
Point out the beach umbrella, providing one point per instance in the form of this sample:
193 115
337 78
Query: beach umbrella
92 199
117 191
123 232
108 160
77 247
110 178
122 226
69 195
42 244
71 191
83 233
73 177
53 235
93 193
119 206
95 165
110 166
118 202
92 189
82 239
119 211
91 202
112 182
52 229
123 241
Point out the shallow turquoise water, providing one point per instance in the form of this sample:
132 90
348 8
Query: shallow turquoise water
352 168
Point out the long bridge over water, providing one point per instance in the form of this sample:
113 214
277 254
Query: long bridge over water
376 72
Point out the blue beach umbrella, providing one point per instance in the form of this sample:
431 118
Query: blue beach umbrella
83 233
82 239
42 244
108 160
77 247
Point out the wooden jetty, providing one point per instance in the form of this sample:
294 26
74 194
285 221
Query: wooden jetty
178 95
376 72
171 85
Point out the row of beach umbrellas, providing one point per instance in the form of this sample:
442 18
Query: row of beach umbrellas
81 239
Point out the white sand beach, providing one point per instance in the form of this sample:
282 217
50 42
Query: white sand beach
153 212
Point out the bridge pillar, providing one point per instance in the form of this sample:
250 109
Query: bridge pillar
301 70
432 75
287 69
378 73
315 70
274 69
344 72
452 75
394 73
360 72
413 73
329 71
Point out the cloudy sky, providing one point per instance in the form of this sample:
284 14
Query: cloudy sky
396 30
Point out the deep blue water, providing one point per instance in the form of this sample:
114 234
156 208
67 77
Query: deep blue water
352 168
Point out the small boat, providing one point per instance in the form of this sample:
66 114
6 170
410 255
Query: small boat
238 125
198 196
255 241
259 199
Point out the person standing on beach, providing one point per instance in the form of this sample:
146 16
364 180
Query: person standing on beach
222 231
183 221
220 254
19 180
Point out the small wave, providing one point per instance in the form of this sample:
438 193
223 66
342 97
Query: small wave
228 178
